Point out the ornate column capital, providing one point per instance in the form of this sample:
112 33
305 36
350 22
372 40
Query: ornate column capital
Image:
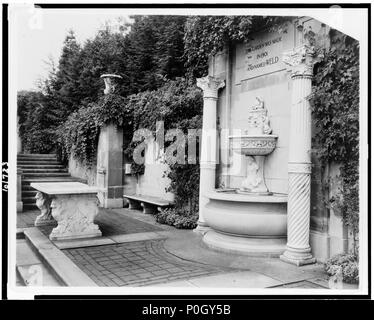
300 60
210 86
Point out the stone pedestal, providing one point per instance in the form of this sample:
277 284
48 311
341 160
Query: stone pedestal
210 87
75 216
109 157
109 166
73 205
298 250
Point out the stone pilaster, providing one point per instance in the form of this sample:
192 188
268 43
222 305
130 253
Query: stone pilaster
210 86
298 250
109 157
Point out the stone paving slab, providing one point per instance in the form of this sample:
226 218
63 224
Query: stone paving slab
136 264
80 243
241 279
122 238
300 285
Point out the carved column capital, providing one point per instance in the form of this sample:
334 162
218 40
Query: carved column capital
210 86
300 60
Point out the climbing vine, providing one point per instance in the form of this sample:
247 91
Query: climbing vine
179 105
206 35
80 133
335 105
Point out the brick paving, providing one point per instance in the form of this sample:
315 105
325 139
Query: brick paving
136 264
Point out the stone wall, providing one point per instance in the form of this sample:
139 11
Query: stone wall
152 182
79 170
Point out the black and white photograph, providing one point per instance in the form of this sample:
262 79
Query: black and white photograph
186 150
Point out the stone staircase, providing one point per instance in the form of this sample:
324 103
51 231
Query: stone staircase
40 168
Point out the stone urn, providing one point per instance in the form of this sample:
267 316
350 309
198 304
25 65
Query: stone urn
255 144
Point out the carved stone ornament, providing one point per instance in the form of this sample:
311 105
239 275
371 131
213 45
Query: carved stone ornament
210 86
75 216
110 82
258 119
43 202
301 60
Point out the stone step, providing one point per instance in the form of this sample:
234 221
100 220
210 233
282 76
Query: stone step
46 174
29 262
28 180
37 162
36 159
36 156
30 206
31 200
28 193
45 170
41 166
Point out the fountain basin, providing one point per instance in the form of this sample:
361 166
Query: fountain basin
254 145
250 224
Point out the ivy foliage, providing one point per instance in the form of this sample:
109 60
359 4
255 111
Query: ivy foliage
206 35
79 135
179 106
335 106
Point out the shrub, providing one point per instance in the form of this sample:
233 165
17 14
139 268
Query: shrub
179 218
345 265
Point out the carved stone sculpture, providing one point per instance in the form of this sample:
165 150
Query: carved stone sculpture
43 202
110 82
75 217
258 120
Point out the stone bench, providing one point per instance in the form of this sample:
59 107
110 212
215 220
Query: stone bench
73 205
149 204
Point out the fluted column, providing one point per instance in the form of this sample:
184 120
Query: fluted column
298 250
210 86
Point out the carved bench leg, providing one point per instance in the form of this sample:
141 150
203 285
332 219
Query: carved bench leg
133 204
148 208
43 202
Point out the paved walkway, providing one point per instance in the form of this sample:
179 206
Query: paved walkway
137 251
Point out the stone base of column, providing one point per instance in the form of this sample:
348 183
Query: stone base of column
202 228
19 206
298 257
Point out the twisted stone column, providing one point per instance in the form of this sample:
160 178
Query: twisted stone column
210 86
298 250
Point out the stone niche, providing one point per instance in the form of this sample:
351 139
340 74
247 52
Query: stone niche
256 69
